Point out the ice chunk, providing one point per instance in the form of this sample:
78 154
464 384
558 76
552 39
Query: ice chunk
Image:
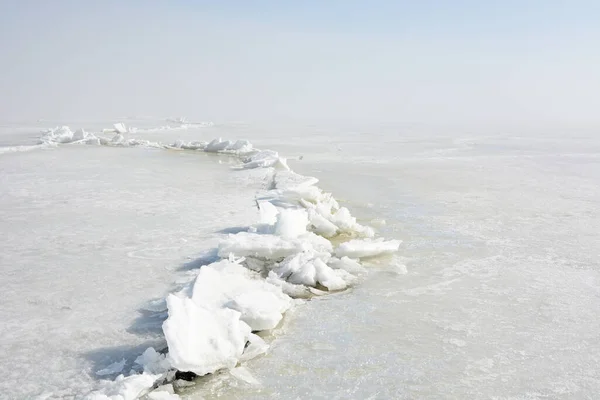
256 245
120 128
165 392
153 362
325 206
93 140
289 180
195 145
60 134
306 274
328 218
261 310
364 231
125 388
310 193
343 219
299 269
292 264
310 268
319 244
80 134
291 223
268 213
243 374
292 290
227 146
329 278
240 147
203 340
346 264
255 264
112 369
156 305
263 159
227 284
367 248
256 346
321 225
118 139
205 333
217 145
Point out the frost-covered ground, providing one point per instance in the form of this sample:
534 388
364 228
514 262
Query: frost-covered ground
495 293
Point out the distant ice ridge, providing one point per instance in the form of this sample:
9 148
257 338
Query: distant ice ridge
288 255
64 135
119 131
250 157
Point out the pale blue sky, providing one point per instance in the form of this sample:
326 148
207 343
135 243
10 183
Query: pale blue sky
533 64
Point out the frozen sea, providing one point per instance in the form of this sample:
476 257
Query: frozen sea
497 295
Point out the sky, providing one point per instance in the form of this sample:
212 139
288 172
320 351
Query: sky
528 64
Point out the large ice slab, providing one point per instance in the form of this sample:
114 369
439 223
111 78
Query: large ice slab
203 340
358 248
228 284
259 245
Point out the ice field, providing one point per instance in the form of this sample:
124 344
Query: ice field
89 235
459 266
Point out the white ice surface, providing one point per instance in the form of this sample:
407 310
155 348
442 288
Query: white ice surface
501 290
501 287
209 322
90 234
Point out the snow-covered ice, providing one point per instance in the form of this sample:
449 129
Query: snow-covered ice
494 293
283 254
90 235
494 290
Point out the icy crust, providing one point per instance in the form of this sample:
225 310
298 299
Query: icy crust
288 254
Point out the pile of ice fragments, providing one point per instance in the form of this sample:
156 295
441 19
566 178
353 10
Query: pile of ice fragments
289 254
